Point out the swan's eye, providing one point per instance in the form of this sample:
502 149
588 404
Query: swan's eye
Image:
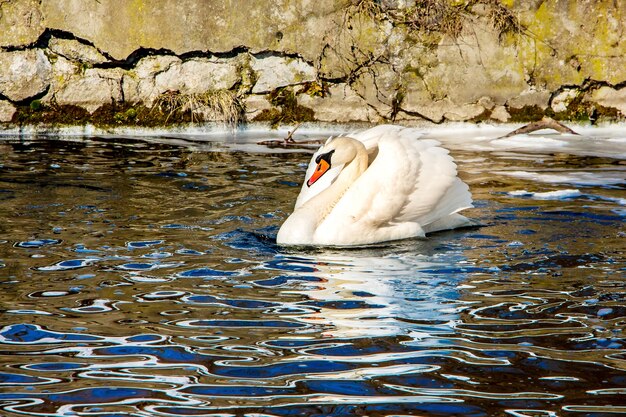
324 157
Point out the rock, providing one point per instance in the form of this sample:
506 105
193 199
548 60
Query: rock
76 51
25 74
377 89
561 101
20 22
138 85
431 113
254 105
150 66
357 42
500 114
460 113
530 98
610 97
474 65
274 72
419 102
155 75
91 90
7 110
198 76
341 104
461 78
487 103
63 70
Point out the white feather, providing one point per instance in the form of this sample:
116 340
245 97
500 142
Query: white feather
409 188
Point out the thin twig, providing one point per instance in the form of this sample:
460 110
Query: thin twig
289 138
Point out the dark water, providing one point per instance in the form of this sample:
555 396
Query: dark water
142 279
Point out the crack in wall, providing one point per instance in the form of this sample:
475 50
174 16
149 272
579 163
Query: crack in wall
134 57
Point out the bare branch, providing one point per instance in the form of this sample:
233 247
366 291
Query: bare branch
545 123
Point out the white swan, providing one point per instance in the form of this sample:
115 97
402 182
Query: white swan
378 185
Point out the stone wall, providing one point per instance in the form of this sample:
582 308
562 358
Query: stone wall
284 61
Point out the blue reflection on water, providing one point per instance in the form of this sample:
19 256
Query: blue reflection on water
32 334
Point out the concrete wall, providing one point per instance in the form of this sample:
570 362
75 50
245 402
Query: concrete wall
326 60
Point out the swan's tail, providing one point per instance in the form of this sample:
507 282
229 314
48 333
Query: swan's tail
445 213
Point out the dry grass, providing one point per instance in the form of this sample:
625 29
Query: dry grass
436 16
427 15
502 19
369 8
220 106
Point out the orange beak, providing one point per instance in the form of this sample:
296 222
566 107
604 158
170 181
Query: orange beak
322 167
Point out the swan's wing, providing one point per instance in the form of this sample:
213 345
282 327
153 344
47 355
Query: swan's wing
438 192
409 185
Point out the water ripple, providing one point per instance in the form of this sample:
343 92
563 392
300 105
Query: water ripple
69 264
205 273
151 284
33 334
240 323
37 243
93 306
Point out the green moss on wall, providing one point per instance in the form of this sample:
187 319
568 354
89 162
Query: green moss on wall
527 114
286 109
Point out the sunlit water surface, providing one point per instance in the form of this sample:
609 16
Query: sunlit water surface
142 278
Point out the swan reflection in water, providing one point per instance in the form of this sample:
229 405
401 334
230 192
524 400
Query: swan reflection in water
367 293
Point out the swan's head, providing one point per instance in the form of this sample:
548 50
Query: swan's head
335 153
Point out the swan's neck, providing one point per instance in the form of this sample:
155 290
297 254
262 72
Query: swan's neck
323 203
300 227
